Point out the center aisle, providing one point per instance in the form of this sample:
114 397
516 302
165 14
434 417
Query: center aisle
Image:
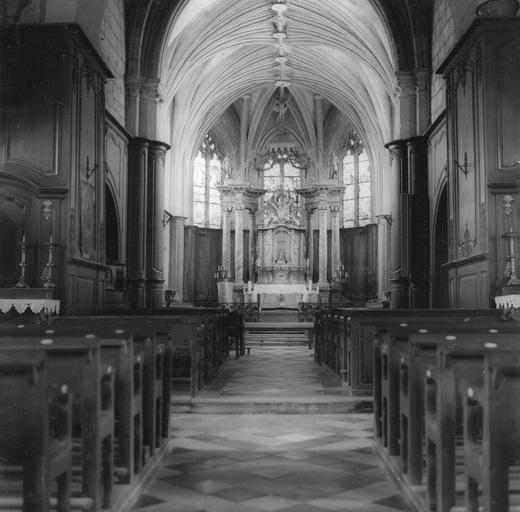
277 379
251 462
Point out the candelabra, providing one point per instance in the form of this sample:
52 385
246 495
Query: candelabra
222 273
513 278
46 277
22 283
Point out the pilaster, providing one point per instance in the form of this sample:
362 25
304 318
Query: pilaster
155 238
176 274
323 253
239 245
399 234
137 220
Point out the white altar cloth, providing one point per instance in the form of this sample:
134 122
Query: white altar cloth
35 305
507 301
307 295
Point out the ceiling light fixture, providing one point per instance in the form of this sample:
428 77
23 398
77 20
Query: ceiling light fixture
279 7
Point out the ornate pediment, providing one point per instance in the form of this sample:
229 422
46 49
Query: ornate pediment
282 208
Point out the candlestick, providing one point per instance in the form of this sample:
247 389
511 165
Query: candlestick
46 277
22 283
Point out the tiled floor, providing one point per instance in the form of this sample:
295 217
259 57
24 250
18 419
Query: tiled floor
272 462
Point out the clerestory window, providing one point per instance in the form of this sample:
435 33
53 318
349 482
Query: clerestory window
357 183
207 176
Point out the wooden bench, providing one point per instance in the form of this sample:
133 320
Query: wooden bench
156 353
492 434
35 435
75 361
355 349
118 350
391 355
398 389
460 358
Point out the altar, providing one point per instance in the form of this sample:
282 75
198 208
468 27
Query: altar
273 296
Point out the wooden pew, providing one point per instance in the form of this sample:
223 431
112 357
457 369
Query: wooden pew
460 358
492 434
156 351
355 349
118 351
35 435
390 337
398 389
75 361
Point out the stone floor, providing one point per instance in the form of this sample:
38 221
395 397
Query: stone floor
272 462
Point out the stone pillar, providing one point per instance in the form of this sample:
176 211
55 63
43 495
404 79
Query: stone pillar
423 77
176 274
318 119
252 238
406 91
239 244
419 246
148 108
244 125
137 221
335 256
226 239
399 237
155 263
310 245
133 86
323 247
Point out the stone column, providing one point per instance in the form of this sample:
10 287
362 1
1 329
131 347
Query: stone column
335 256
155 263
399 239
310 245
176 274
252 244
226 238
244 125
322 212
419 246
137 221
133 86
406 91
239 244
318 120
423 78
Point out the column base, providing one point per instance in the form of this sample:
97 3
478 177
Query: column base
154 293
400 293
420 295
137 293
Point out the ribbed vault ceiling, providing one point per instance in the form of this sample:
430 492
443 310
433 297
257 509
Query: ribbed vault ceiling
218 51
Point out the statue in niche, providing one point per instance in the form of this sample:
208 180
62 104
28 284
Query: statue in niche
87 198
334 167
281 106
226 168
281 208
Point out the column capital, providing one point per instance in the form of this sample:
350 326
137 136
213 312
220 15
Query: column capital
397 148
405 84
133 85
423 78
150 90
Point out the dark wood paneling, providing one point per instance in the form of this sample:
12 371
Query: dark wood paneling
190 262
358 253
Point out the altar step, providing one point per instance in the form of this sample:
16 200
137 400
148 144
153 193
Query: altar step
278 315
278 333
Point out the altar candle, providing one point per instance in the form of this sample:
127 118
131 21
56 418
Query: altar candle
249 286
23 248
